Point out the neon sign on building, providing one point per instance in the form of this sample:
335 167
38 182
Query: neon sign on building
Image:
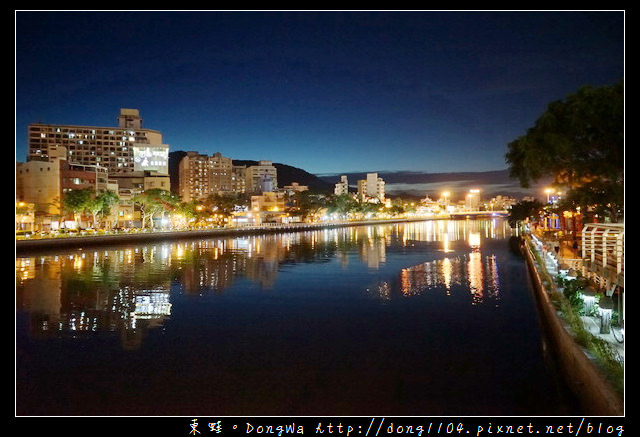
151 158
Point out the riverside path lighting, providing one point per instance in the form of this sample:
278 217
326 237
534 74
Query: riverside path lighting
606 308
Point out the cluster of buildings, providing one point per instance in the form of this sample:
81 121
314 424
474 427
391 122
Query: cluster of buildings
370 189
201 175
128 159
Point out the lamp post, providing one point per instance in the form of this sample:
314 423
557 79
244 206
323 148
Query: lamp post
473 199
445 195
548 191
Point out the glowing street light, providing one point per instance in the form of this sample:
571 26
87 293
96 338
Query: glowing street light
548 191
473 199
445 196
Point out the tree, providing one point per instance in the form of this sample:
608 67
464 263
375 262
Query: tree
107 200
343 205
75 202
93 206
308 204
189 211
522 211
597 199
225 203
578 141
155 202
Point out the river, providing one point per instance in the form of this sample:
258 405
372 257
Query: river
432 318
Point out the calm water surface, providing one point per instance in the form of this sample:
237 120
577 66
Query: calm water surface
427 318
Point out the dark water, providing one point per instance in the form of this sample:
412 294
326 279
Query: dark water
428 318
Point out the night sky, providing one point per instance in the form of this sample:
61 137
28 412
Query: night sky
329 92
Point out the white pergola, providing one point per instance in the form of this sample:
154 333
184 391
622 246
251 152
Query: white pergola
603 252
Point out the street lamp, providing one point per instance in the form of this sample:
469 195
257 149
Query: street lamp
548 191
445 195
473 199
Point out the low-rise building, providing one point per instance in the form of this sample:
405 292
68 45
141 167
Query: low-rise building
43 184
295 187
268 206
261 178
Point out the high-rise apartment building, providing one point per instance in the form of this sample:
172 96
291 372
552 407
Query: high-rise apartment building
202 175
122 149
239 179
371 188
342 187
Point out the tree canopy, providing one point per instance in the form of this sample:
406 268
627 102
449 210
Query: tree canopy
579 141
576 140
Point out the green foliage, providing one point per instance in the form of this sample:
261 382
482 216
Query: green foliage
342 205
77 202
573 290
523 210
225 203
599 198
155 202
611 363
576 139
107 200
307 204
579 142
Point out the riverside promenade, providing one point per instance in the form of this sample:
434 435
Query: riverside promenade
27 245
141 236
592 324
580 368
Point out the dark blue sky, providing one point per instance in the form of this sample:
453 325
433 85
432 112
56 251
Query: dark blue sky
329 92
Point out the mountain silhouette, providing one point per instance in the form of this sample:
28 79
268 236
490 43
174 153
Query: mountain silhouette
398 183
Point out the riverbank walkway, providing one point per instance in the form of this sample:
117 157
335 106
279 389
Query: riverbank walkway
554 267
86 238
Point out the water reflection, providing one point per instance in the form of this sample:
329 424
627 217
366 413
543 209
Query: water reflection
473 273
128 290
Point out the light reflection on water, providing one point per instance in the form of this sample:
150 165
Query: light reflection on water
322 296
129 288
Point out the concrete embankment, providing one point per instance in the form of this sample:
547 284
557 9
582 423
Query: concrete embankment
595 394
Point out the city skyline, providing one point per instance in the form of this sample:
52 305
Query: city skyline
328 92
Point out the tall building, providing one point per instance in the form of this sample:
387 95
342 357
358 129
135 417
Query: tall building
375 186
261 178
371 188
342 187
202 175
238 179
122 149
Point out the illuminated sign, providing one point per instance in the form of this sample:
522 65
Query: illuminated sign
154 158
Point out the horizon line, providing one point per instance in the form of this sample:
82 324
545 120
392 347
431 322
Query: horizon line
405 171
